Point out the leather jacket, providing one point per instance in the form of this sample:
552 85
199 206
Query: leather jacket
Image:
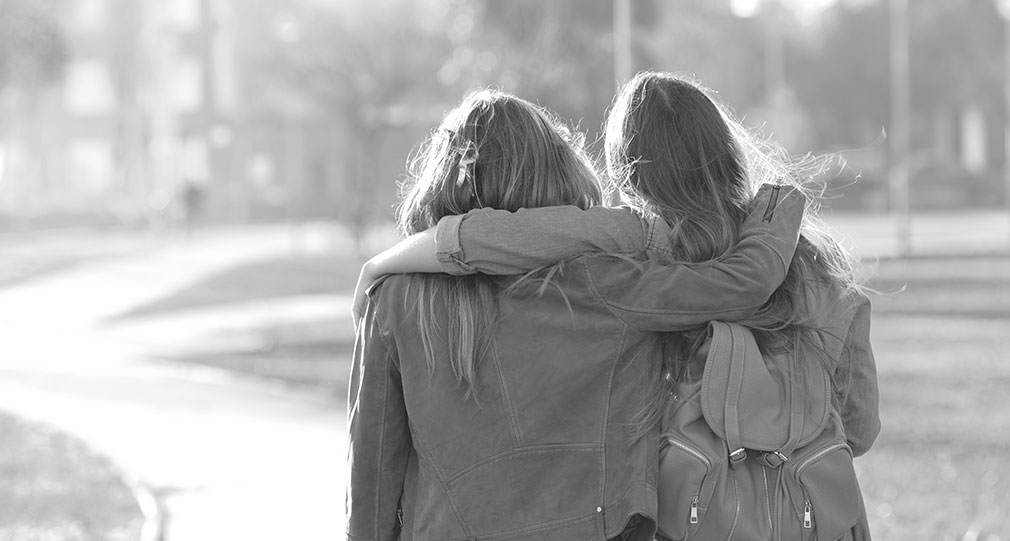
546 449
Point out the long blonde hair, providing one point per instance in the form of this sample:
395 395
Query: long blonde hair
497 151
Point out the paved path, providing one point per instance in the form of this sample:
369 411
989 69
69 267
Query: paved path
228 457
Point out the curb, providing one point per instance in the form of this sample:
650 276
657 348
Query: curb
155 516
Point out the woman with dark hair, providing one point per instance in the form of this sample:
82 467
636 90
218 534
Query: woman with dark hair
501 407
679 160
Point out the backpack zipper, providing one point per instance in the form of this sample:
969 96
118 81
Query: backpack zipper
808 509
819 454
708 467
736 496
690 450
768 498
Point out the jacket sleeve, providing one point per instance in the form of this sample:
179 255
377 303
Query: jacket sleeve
379 440
670 296
493 241
856 376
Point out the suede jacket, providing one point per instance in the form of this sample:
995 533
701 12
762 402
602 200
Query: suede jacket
545 451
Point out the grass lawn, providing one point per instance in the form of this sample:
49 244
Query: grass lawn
305 274
941 466
54 488
314 354
31 256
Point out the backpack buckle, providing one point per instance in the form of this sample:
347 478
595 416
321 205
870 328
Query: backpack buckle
772 460
737 457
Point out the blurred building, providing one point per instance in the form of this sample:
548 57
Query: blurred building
157 102
293 109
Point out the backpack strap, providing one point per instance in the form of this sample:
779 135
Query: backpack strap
752 406
777 458
737 453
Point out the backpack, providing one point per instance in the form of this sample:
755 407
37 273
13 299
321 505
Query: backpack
756 450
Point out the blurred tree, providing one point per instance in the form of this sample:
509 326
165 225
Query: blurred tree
32 48
842 76
370 69
383 72
956 53
32 55
706 40
841 72
558 53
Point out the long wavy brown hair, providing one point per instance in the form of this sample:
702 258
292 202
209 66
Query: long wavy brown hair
674 151
498 151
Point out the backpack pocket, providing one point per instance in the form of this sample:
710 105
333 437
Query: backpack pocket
685 488
830 503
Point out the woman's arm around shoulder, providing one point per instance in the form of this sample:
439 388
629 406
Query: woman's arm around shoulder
670 296
416 253
494 241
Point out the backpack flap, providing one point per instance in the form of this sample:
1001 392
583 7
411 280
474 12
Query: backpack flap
750 394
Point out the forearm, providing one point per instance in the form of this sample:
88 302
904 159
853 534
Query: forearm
415 253
652 295
493 241
670 296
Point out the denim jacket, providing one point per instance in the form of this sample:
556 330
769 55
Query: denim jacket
545 452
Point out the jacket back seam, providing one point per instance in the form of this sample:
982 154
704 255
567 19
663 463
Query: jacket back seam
540 528
423 451
506 397
505 455
665 311
606 412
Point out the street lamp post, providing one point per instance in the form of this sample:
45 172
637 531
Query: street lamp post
774 53
898 136
1004 10
622 41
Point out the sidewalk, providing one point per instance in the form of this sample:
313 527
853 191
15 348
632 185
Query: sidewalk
227 457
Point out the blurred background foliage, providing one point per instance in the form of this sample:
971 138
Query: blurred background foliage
144 112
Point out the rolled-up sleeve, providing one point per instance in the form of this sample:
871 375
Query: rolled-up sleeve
672 296
448 250
379 438
493 241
